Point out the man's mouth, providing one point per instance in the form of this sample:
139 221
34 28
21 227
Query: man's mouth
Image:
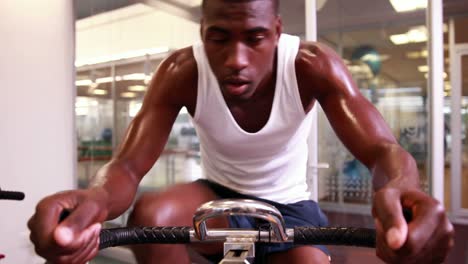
236 86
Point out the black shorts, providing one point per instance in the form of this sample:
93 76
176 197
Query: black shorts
302 213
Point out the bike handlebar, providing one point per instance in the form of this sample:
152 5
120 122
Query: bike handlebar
360 237
10 195
275 232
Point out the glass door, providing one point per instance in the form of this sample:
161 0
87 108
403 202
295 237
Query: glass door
459 129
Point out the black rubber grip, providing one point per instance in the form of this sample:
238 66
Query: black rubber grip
8 195
143 235
340 236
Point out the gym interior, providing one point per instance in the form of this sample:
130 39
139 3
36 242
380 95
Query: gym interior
73 75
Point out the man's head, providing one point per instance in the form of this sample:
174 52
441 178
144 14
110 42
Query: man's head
240 39
275 4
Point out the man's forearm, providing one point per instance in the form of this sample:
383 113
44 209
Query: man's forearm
119 184
395 167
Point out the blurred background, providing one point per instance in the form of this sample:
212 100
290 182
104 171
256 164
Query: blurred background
384 43
117 46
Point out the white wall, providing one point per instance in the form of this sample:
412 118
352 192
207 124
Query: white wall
37 150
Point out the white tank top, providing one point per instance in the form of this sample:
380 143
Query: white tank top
270 163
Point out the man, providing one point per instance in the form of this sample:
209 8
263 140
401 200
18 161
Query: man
249 90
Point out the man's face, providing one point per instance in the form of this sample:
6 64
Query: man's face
240 40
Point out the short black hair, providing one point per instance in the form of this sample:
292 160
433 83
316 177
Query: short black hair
275 4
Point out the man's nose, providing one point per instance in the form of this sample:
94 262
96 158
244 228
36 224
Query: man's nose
237 58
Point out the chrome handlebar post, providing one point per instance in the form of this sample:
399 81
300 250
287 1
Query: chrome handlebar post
245 207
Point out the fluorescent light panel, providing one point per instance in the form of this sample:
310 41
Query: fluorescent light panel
191 3
134 77
128 77
414 35
423 68
99 92
121 56
408 5
137 88
83 82
417 54
128 95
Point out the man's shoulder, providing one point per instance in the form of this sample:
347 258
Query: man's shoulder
177 77
318 58
182 61
308 45
180 69
311 51
318 68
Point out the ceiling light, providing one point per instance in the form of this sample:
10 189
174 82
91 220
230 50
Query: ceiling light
191 3
423 68
137 88
399 39
413 55
121 56
134 77
408 5
128 95
93 85
99 92
417 34
128 77
414 35
83 83
104 80
424 53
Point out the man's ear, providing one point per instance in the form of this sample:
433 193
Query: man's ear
279 27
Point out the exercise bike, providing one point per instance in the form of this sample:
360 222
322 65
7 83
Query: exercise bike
239 244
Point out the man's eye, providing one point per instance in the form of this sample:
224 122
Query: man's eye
256 38
218 39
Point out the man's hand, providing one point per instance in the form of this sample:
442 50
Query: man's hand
74 240
426 238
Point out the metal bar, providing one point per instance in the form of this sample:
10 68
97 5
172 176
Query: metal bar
220 235
245 207
436 95
455 121
311 35
114 109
